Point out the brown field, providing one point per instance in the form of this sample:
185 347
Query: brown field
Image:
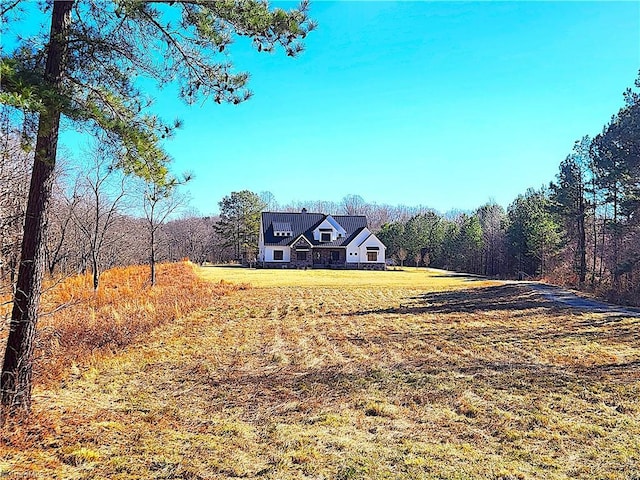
408 374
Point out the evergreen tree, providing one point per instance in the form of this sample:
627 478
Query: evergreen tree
469 244
616 160
450 236
392 235
239 224
570 202
533 233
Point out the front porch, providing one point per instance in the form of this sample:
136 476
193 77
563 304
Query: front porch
329 258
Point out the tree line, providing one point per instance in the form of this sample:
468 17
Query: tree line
100 218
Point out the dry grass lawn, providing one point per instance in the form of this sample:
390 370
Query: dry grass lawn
350 375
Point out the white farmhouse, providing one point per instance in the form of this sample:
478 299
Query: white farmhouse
316 240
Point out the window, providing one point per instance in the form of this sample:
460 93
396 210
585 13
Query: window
335 256
302 256
372 256
278 254
325 237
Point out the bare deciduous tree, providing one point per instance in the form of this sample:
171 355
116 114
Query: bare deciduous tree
101 189
159 202
14 184
402 256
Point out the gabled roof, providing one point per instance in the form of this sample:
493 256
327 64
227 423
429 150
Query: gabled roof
300 237
365 239
334 223
305 224
368 237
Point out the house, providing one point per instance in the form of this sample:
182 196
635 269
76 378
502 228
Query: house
316 240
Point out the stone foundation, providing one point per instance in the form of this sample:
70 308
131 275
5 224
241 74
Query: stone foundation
333 266
366 266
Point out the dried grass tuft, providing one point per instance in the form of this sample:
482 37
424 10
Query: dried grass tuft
79 323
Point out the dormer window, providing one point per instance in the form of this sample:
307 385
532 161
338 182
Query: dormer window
328 231
326 234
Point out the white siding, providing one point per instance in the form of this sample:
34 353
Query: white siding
329 223
353 249
372 241
268 254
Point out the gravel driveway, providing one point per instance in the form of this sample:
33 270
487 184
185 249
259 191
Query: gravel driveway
572 299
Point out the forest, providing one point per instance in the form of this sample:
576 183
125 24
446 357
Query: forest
580 230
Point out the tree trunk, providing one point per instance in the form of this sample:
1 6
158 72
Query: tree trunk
152 262
595 236
152 257
582 238
15 381
616 242
96 271
603 244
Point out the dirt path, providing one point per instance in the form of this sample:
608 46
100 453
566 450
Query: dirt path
572 299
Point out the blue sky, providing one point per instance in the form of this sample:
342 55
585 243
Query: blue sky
441 104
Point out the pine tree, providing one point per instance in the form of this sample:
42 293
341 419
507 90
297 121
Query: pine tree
570 202
239 223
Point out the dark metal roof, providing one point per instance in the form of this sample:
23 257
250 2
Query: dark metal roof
305 223
282 226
